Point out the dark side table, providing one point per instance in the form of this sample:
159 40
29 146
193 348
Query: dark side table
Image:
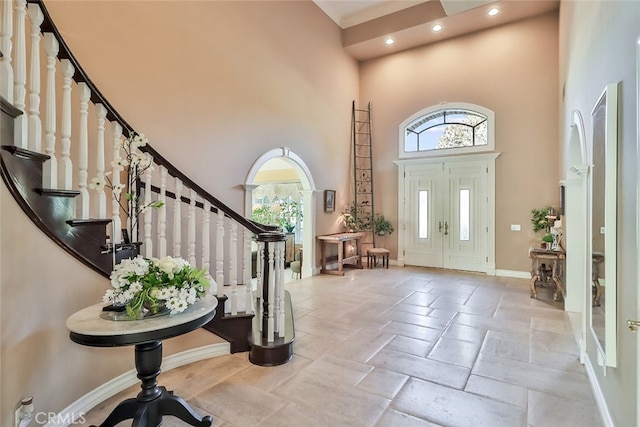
153 401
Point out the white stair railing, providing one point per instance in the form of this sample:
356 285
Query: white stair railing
82 155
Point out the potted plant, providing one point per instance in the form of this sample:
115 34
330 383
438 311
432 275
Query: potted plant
382 225
540 219
288 215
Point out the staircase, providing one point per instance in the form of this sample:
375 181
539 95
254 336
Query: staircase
48 175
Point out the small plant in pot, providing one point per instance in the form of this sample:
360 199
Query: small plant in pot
547 239
382 225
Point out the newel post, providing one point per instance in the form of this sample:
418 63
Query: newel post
272 281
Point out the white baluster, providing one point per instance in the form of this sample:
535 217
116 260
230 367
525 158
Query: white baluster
101 198
177 220
162 214
206 242
20 75
259 283
34 123
276 288
67 167
115 180
233 266
280 292
271 288
82 202
191 251
220 252
246 272
148 213
50 170
6 69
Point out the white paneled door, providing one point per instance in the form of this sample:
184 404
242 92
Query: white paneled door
446 211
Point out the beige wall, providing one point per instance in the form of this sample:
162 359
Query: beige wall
509 69
598 42
213 85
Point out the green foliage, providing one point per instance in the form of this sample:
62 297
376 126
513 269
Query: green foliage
289 213
283 213
356 219
264 215
539 219
382 225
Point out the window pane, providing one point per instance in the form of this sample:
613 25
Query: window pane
429 138
458 117
410 142
446 129
465 214
480 134
456 136
423 214
425 122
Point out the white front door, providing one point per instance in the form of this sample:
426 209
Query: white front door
446 211
424 233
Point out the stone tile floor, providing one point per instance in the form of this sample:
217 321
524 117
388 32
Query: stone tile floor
401 347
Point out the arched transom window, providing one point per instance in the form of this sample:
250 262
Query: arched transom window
459 127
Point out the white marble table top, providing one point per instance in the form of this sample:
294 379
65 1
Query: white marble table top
88 321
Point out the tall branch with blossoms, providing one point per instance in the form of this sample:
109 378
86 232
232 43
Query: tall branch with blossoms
135 163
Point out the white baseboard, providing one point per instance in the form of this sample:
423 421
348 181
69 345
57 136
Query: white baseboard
513 273
87 402
597 394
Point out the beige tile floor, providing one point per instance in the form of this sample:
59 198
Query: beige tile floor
401 347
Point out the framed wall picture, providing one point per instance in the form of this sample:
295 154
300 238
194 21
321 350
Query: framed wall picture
329 200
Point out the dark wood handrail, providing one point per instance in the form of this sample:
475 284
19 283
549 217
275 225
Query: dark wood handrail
80 76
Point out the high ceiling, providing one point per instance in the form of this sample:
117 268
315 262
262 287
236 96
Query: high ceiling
366 24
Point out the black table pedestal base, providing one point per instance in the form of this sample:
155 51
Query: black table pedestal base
150 413
153 402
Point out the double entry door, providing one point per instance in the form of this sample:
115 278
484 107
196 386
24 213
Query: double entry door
446 210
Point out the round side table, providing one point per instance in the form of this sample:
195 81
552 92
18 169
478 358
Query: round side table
152 402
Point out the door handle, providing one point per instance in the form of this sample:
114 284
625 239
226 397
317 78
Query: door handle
446 228
440 226
633 325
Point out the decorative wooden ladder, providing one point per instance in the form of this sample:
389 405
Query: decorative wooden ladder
363 203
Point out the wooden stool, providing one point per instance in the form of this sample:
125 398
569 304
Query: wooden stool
374 253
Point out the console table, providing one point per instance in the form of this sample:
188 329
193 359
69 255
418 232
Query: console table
541 256
147 409
349 251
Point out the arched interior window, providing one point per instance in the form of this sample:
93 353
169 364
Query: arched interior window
459 127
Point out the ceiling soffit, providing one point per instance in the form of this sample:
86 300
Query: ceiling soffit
411 27
397 21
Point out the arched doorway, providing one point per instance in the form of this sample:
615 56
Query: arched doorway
300 171
576 241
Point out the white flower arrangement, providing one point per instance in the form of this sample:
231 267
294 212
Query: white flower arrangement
141 283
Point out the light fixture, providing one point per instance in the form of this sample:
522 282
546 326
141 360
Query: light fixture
436 27
493 11
389 41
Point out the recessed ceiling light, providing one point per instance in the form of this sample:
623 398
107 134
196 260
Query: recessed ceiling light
389 41
436 27
493 11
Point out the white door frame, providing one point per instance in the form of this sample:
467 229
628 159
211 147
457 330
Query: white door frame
637 230
491 200
308 199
